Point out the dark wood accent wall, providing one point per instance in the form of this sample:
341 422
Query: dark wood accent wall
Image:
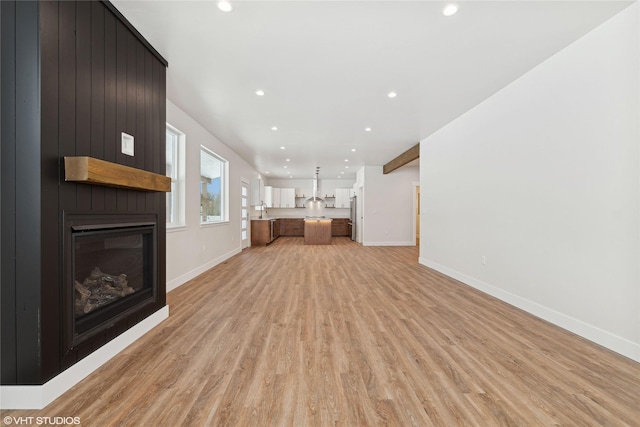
82 76
21 188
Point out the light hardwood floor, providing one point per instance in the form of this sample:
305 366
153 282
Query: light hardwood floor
295 335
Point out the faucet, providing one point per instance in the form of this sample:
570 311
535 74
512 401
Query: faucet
263 207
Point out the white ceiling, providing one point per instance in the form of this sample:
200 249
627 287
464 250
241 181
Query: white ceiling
327 66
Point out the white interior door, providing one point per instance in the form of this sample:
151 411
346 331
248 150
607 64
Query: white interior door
416 213
244 220
360 215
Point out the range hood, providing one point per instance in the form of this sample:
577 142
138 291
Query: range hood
314 204
314 195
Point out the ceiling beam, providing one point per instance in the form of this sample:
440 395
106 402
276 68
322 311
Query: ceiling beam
408 156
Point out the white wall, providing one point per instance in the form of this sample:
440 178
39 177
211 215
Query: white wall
388 203
194 249
543 179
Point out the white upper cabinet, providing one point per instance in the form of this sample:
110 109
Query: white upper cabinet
287 197
342 198
257 192
276 197
281 197
268 196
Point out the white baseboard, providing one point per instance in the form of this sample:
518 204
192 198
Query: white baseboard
385 243
39 396
184 278
606 339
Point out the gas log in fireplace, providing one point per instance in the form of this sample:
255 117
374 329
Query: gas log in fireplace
110 271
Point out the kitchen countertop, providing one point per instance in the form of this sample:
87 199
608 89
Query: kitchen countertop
294 217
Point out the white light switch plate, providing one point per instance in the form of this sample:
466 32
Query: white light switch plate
127 144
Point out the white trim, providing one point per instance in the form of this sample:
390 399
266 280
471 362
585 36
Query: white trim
184 278
179 198
414 217
175 228
214 223
606 339
224 186
385 243
39 396
244 182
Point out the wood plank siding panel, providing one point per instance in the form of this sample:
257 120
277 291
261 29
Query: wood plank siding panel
50 248
97 140
20 233
28 184
8 344
109 99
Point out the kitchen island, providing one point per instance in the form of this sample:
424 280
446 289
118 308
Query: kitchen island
317 231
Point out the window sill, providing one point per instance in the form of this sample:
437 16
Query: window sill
213 224
175 228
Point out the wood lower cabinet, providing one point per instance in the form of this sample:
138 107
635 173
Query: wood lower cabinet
317 232
277 228
292 227
261 232
340 227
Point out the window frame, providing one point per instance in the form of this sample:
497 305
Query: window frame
178 180
224 188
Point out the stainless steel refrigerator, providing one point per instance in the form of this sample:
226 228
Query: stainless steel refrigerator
352 217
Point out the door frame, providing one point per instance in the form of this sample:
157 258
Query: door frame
416 212
244 183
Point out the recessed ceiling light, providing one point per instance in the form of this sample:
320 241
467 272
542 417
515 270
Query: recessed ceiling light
285 166
339 176
367 129
450 10
392 95
342 172
282 148
288 160
346 167
267 172
353 149
346 160
274 128
225 6
290 176
288 171
260 92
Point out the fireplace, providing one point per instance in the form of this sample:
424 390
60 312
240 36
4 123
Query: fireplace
48 214
110 272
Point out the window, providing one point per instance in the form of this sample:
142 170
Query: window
175 158
213 187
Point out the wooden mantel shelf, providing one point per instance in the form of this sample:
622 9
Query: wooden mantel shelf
89 170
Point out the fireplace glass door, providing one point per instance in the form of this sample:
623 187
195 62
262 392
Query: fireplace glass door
113 272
